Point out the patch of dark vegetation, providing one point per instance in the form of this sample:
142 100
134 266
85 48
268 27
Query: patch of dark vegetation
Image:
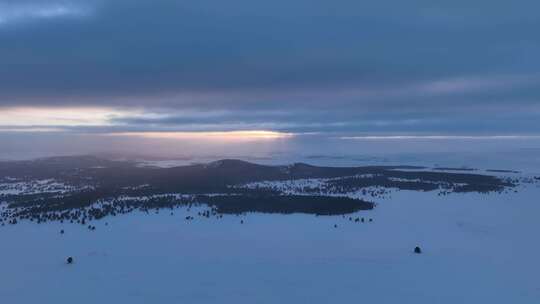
55 202
422 181
66 168
219 205
482 188
350 184
454 169
286 204
501 171
447 177
70 209
465 181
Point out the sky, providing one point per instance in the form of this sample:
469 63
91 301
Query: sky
99 76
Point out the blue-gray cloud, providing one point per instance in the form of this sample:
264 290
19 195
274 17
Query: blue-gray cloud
297 65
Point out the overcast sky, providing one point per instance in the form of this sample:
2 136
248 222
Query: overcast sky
342 68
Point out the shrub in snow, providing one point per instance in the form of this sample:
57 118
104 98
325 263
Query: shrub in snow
69 260
417 250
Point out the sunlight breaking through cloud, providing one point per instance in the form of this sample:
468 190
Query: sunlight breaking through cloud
247 135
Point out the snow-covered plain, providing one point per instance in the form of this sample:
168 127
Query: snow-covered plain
477 248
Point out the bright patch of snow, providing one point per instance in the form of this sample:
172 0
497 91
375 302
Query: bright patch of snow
38 186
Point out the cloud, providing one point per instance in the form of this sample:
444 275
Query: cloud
288 66
65 116
440 137
23 12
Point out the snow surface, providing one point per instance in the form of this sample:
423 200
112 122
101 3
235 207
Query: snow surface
477 248
37 186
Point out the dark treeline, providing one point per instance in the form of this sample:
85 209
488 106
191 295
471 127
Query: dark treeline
454 169
349 184
218 205
286 204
